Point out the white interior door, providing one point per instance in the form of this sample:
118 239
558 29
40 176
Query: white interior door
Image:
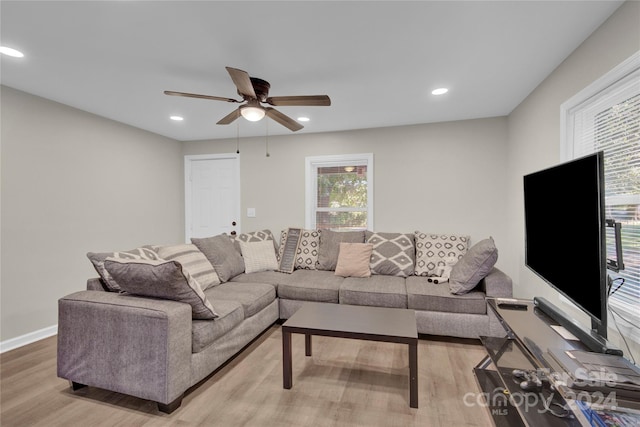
212 195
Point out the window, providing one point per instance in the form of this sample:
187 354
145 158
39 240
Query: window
339 192
606 116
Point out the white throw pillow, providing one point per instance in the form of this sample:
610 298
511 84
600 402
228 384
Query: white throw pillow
258 256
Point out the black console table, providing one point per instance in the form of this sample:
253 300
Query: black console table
524 349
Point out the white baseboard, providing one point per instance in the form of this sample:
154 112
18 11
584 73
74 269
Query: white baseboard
25 339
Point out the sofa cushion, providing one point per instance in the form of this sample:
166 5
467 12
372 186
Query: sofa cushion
433 249
258 256
274 278
160 279
252 296
422 295
330 246
205 332
97 259
394 254
193 261
307 285
221 253
377 291
353 260
473 267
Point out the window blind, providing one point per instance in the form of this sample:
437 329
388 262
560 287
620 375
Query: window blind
610 121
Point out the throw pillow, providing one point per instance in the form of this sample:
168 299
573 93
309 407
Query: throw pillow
432 250
97 259
473 267
253 236
160 279
193 261
393 254
288 249
354 259
307 252
330 246
258 256
222 254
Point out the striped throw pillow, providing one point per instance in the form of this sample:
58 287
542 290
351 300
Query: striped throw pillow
193 261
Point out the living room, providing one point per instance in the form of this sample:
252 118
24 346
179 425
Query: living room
455 176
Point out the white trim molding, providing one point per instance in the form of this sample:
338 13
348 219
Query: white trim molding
31 337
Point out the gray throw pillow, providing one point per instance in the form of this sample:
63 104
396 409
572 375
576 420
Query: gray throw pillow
161 279
222 254
97 259
473 267
394 254
330 246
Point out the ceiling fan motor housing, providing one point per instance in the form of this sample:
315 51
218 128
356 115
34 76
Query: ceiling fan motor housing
260 87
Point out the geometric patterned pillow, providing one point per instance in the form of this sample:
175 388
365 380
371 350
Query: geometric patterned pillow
393 253
432 250
97 259
253 236
193 261
307 253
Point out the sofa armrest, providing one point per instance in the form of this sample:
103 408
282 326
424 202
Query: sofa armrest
497 284
133 345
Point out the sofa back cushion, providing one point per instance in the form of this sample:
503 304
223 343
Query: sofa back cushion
394 254
222 254
330 246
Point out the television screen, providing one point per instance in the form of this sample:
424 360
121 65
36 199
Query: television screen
564 231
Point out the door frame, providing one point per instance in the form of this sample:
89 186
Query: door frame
188 159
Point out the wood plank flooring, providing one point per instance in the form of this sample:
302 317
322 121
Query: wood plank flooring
345 383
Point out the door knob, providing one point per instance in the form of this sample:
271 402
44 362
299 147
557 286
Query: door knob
233 223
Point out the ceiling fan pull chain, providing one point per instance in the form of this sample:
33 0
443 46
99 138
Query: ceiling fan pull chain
237 137
267 138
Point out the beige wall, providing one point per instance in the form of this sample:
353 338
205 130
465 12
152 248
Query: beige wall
534 129
445 177
73 182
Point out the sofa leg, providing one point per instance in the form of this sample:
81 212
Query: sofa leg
168 408
76 386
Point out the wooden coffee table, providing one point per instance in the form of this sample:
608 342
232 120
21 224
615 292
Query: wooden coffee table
396 325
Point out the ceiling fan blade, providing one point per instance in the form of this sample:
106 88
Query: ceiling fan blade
283 119
310 100
242 81
229 117
195 95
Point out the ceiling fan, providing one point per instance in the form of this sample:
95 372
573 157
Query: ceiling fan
255 91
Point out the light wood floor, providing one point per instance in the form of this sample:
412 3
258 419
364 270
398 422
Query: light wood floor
344 383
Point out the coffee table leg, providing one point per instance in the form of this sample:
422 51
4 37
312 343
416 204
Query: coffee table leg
413 375
307 344
287 375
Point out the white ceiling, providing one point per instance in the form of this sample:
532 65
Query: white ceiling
378 61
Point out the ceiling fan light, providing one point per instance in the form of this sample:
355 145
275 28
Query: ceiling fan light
252 113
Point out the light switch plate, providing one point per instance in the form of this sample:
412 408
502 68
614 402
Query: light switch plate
251 212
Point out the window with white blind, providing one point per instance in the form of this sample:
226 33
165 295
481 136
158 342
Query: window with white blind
339 192
606 117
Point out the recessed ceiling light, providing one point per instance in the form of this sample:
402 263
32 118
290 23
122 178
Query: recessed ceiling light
177 118
440 91
303 119
11 52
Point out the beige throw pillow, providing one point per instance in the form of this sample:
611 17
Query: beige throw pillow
258 256
353 260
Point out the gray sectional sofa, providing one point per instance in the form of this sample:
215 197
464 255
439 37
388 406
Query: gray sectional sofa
156 348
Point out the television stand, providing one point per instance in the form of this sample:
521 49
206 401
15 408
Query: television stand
592 340
526 349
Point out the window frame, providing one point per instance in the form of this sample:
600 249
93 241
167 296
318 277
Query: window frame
600 89
312 163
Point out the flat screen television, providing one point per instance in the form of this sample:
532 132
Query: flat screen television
565 240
